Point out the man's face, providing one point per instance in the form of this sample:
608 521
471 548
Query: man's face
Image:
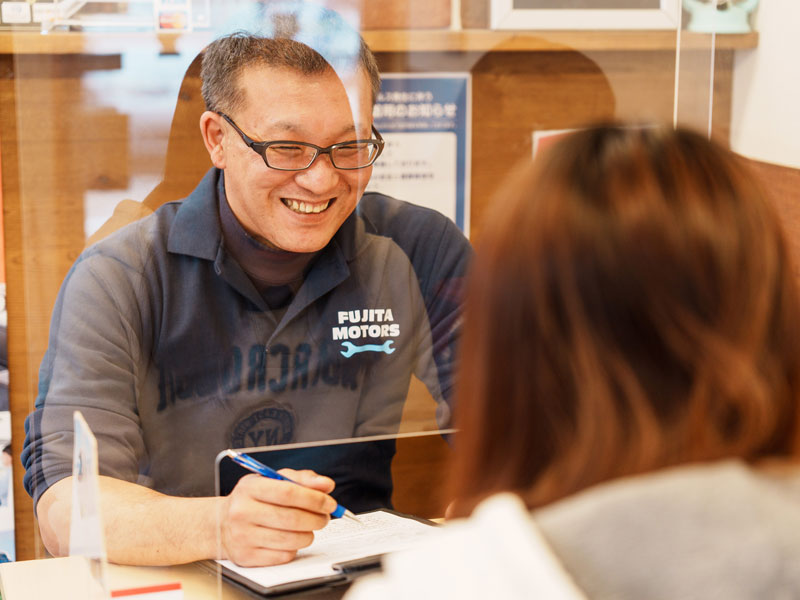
298 211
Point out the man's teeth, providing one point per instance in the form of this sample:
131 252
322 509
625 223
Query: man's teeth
304 207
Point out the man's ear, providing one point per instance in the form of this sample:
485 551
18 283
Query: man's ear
211 128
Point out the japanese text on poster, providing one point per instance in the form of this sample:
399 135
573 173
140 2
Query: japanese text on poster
425 120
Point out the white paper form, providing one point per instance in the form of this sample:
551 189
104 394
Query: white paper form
341 540
420 167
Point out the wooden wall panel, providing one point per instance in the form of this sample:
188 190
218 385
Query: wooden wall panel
419 467
419 473
783 185
18 359
474 14
53 150
412 14
515 93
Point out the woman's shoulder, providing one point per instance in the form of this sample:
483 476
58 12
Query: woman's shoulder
722 529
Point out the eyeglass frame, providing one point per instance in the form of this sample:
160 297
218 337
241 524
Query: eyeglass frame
260 148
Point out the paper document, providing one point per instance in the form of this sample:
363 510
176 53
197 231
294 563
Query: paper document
340 541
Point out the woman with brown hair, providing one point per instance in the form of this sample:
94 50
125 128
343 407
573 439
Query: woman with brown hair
631 374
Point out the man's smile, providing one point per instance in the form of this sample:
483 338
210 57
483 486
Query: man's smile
305 208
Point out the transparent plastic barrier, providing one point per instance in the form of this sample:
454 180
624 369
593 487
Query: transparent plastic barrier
108 132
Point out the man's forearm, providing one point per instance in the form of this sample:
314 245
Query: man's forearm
141 526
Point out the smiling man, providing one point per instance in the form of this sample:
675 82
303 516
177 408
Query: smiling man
302 197
277 303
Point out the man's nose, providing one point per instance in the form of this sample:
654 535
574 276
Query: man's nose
320 177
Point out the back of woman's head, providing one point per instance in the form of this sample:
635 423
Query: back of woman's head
631 307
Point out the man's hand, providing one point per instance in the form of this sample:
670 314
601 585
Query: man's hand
265 521
262 522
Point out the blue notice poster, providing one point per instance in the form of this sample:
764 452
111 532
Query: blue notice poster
425 120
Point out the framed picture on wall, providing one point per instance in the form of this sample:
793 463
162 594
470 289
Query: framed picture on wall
585 14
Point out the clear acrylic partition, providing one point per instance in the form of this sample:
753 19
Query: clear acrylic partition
101 105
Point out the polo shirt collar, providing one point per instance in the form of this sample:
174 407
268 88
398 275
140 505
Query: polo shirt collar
196 230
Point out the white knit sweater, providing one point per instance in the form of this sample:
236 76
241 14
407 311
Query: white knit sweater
715 531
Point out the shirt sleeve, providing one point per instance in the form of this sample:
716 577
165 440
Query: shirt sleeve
91 365
432 282
442 282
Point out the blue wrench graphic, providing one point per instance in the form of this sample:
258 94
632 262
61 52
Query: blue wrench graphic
353 349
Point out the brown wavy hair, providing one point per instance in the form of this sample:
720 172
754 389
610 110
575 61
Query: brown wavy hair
631 307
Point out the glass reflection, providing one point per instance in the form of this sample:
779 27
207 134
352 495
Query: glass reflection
108 132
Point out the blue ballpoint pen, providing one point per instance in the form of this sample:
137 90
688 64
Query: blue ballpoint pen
251 464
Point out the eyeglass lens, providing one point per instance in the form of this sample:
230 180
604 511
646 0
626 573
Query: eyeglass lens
349 156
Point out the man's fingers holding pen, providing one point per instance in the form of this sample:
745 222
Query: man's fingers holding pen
245 541
279 505
266 521
289 494
310 479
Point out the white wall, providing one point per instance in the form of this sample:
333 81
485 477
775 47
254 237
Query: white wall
766 87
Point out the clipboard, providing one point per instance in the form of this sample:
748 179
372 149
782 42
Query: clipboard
342 572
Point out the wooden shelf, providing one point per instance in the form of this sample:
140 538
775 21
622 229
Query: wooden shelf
474 40
421 40
63 42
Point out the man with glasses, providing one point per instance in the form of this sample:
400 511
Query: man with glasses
272 305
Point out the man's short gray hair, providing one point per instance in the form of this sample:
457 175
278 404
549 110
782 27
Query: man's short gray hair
226 57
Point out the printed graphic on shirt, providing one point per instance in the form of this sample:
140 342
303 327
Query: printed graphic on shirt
266 426
368 325
353 349
260 370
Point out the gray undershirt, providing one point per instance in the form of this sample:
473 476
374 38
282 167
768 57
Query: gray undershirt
276 274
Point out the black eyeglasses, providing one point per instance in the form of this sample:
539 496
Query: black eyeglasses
285 155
